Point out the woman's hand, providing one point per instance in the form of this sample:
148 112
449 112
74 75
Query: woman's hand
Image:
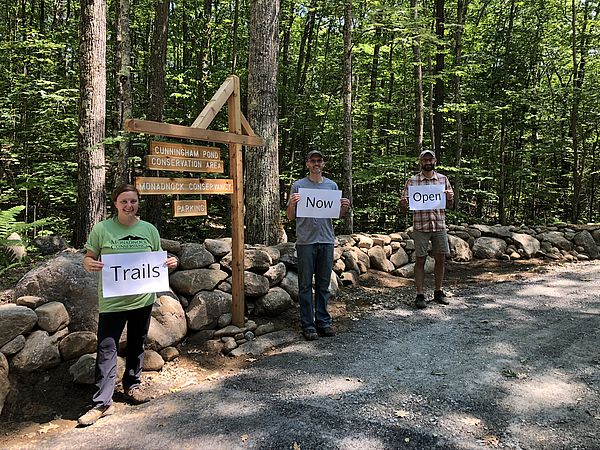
171 262
91 264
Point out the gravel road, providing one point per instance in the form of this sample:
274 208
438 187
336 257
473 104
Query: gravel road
506 365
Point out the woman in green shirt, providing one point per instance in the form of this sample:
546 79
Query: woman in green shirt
123 233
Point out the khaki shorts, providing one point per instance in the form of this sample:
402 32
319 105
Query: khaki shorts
439 242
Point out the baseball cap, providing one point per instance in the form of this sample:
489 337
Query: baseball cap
425 153
314 152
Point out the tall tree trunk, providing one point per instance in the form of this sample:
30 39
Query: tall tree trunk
461 10
91 206
418 80
373 89
348 222
123 88
236 14
263 223
439 90
156 94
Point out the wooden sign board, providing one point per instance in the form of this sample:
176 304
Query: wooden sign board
188 208
157 162
183 150
157 185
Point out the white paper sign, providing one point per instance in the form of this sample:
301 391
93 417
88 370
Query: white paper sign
323 203
421 198
134 273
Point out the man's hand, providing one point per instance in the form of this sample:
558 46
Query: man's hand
404 202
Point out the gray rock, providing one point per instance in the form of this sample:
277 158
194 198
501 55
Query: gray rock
527 243
255 285
497 231
15 320
350 278
168 324
224 320
218 247
585 240
195 256
14 346
31 301
169 353
489 247
83 370
288 254
276 301
459 249
248 335
205 309
228 331
381 239
52 316
363 241
377 259
229 345
350 262
225 286
400 258
153 362
40 352
256 260
4 381
345 240
275 274
77 344
189 282
272 251
264 329
290 284
48 245
596 236
556 239
339 266
63 279
258 346
170 246
408 271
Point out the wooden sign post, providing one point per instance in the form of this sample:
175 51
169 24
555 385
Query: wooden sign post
181 157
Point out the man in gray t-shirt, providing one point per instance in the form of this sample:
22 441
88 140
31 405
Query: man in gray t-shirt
314 247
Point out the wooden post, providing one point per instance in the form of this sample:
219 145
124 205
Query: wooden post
237 207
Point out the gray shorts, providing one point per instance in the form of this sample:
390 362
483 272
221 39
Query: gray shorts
439 242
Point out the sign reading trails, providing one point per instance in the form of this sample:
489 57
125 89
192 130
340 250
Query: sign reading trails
323 203
184 151
134 273
157 185
183 164
425 197
187 208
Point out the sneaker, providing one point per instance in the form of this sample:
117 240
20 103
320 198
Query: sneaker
420 302
440 297
94 414
310 335
136 395
326 332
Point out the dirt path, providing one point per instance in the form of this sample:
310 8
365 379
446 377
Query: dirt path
512 363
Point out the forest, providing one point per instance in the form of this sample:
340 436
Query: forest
507 93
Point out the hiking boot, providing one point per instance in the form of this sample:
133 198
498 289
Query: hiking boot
94 414
326 332
420 302
136 395
440 297
310 335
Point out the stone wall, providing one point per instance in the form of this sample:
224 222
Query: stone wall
54 311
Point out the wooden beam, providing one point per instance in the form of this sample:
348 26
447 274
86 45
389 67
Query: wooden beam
215 104
246 128
237 207
183 132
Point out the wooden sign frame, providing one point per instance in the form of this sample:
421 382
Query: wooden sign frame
239 133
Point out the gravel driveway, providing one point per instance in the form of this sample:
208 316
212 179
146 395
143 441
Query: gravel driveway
506 365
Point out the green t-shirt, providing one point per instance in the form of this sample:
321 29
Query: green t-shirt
110 237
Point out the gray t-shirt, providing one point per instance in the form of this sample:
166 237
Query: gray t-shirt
311 230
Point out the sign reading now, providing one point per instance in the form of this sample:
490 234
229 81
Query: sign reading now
421 198
321 203
134 273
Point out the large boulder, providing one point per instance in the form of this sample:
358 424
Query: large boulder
205 309
218 247
377 259
83 371
556 239
189 282
48 245
255 285
52 316
40 352
527 243
195 256
290 284
77 344
489 247
584 239
15 320
14 346
168 324
273 302
275 274
288 255
459 249
399 258
4 381
63 279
